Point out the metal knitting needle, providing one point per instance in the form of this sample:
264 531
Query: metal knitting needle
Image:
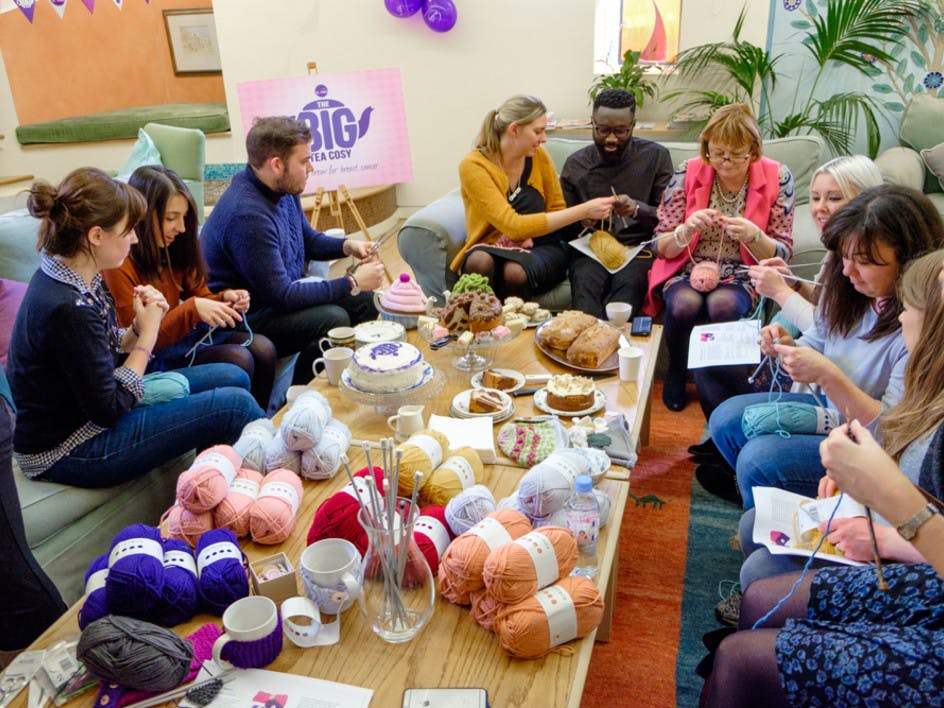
786 276
374 251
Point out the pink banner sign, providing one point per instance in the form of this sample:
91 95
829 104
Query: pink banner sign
357 120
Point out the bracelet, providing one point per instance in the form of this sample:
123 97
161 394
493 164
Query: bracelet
675 236
134 328
142 349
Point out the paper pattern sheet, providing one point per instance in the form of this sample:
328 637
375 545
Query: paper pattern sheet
257 688
724 344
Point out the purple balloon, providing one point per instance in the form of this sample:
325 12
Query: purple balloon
439 15
403 8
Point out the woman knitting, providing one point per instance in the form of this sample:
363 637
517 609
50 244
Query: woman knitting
854 355
198 328
77 377
728 207
838 639
514 203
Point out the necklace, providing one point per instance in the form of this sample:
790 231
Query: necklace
723 195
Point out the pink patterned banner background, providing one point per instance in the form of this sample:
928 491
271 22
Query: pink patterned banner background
357 120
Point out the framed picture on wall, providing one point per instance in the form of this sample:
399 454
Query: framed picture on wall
191 35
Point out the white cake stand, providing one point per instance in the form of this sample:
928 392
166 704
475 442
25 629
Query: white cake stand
473 357
388 403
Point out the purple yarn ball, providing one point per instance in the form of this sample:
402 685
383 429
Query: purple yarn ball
96 602
403 8
439 15
222 570
135 572
180 596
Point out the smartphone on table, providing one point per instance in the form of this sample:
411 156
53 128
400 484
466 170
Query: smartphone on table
642 326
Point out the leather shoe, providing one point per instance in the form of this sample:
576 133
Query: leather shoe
706 448
673 392
719 480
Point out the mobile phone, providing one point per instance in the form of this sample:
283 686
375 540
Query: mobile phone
445 698
642 326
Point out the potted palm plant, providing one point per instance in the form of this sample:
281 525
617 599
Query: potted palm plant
631 77
852 33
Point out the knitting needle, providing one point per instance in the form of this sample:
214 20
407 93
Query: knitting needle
374 251
616 196
787 276
180 691
882 584
347 468
764 360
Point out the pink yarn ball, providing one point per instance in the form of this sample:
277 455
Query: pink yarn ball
185 525
272 516
233 512
207 481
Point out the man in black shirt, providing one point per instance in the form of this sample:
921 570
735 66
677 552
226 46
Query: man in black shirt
637 170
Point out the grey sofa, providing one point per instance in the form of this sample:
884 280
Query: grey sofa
431 237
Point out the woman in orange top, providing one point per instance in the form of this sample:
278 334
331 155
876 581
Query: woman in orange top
514 203
167 256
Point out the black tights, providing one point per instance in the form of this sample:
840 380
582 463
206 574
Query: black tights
257 360
745 671
508 279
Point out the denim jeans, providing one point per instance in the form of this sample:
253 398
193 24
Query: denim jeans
218 407
768 460
760 563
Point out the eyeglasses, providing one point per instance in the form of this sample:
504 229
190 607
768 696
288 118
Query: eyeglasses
621 133
718 156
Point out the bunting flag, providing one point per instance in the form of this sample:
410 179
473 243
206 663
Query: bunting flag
118 3
59 6
90 4
27 7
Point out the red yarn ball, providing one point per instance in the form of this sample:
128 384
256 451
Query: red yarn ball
432 534
337 515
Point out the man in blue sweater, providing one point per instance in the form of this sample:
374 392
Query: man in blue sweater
258 239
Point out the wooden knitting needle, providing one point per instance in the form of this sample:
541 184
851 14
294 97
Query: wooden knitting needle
882 584
616 196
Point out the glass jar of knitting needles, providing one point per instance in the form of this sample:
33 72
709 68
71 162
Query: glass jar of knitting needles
398 590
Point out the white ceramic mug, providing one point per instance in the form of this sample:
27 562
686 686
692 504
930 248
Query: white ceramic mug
330 569
630 360
335 361
408 420
338 337
618 313
250 619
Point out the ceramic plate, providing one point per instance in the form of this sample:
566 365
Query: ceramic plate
611 363
496 418
582 244
540 401
460 405
428 373
516 375
379 331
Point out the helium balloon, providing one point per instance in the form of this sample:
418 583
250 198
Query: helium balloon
403 8
439 15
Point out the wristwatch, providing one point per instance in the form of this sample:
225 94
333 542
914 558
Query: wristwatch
909 529
355 288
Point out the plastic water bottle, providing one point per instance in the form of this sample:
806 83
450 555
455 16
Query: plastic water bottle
583 520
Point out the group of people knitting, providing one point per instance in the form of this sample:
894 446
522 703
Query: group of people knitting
126 290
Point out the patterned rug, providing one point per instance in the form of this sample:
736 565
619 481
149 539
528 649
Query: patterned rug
637 666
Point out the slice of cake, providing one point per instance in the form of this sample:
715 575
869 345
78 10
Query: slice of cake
496 379
566 392
481 400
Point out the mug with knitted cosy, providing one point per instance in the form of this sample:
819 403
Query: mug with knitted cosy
330 571
252 636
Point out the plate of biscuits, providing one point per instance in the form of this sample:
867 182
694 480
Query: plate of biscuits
507 380
483 403
580 341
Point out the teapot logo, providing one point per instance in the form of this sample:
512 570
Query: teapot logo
334 126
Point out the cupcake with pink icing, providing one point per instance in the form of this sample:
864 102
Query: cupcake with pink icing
405 297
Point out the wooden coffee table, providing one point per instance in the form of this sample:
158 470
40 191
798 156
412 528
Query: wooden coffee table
451 650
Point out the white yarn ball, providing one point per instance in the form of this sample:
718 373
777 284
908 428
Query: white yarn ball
304 423
253 442
605 504
279 456
469 507
547 486
324 460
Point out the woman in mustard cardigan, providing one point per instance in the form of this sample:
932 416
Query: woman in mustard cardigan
726 208
514 204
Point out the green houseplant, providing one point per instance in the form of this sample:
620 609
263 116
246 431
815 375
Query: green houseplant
631 77
853 33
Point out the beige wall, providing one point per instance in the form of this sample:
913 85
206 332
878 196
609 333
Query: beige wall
497 48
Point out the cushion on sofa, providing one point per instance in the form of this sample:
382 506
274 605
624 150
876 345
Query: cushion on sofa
11 295
934 160
143 152
902 166
922 127
19 258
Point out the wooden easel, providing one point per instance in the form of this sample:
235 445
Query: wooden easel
334 203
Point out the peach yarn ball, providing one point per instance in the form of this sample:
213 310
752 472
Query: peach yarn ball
185 525
485 608
272 517
233 512
204 485
422 452
524 629
458 472
540 558
460 568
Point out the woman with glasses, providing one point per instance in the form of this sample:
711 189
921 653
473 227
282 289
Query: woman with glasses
514 205
199 328
727 208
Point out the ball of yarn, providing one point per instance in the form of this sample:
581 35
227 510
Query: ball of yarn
547 486
460 568
304 422
485 608
432 534
233 512
324 460
705 276
592 461
134 654
253 442
787 418
524 631
557 518
540 558
204 485
135 571
185 525
272 516
460 470
336 517
603 499
469 507
279 457
180 596
221 570
422 452
96 602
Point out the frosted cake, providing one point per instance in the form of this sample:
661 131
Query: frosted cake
386 367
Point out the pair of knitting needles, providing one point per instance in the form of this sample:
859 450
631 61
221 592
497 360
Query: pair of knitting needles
375 251
790 276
